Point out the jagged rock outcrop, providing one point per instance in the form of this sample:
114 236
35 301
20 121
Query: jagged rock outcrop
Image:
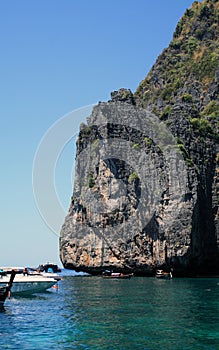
146 180
182 88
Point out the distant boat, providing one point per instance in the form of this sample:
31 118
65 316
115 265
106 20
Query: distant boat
163 275
27 284
44 272
5 290
116 275
49 267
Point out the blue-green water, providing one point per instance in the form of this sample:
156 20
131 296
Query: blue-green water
96 313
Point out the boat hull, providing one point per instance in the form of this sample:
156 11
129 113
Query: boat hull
24 285
3 295
160 274
117 276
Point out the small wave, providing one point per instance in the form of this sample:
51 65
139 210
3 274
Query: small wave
66 272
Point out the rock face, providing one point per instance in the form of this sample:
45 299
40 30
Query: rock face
146 180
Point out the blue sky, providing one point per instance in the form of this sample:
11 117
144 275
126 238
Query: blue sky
58 56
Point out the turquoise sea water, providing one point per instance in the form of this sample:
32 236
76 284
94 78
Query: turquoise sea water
96 313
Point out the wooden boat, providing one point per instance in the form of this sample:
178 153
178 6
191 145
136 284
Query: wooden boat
163 275
116 275
5 290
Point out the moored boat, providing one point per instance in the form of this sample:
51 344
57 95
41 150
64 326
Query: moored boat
163 275
116 275
48 274
49 267
27 284
5 290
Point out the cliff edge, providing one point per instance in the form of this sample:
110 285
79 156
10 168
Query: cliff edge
147 174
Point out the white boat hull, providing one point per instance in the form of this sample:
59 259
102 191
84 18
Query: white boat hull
163 275
24 285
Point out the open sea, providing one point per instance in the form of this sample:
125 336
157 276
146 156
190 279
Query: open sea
96 313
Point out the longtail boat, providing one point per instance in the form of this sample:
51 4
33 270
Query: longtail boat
5 290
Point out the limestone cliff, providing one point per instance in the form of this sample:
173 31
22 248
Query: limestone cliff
146 179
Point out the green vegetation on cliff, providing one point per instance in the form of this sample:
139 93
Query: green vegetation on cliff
187 72
162 211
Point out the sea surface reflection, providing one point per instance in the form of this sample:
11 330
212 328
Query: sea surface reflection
96 313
